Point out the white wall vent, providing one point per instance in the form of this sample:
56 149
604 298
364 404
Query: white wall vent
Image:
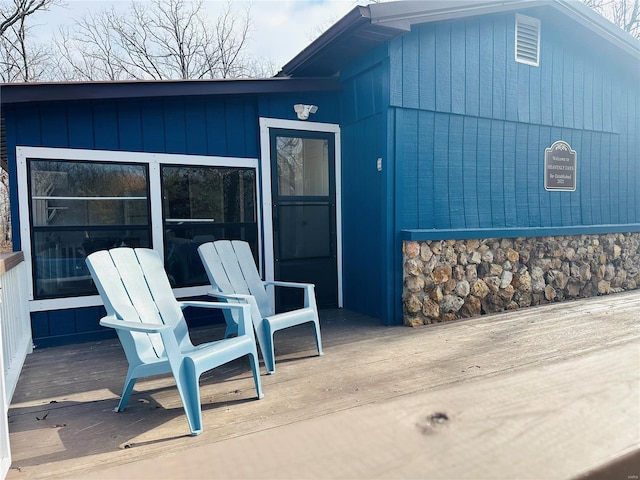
527 40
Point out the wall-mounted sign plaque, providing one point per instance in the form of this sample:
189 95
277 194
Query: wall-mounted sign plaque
560 167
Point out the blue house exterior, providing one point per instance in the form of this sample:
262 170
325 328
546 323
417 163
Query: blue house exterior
436 117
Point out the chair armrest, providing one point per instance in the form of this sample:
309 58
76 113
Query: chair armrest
230 296
112 322
201 304
289 284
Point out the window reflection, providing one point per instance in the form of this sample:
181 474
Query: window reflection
303 166
78 208
202 204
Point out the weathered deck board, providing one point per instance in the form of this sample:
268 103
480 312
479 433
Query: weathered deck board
365 366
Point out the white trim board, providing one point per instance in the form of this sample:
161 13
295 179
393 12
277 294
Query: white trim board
154 161
265 167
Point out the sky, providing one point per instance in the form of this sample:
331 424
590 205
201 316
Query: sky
280 29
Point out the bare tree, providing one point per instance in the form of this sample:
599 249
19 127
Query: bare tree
624 13
22 60
18 10
163 39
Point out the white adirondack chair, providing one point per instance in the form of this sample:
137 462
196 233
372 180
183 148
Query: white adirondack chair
234 277
151 326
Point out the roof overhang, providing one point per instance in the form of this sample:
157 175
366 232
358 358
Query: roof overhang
11 93
364 28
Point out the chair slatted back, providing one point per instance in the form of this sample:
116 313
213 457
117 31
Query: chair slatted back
252 276
231 269
134 287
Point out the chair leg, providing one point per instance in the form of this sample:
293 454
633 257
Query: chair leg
316 326
268 350
255 368
189 388
126 392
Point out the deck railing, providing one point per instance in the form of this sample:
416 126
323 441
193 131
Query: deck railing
15 340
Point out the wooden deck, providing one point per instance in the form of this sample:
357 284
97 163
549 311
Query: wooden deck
546 392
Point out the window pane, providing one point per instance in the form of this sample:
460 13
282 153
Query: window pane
88 193
60 269
202 204
303 166
304 231
78 208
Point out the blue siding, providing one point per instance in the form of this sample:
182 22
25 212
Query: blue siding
368 243
214 126
479 162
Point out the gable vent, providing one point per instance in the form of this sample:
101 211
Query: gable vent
527 40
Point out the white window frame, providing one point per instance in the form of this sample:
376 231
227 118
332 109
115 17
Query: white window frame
154 162
265 178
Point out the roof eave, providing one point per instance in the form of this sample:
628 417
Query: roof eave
33 92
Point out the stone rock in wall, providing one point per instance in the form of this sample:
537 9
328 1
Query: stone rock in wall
505 279
507 293
556 279
524 280
435 293
493 283
472 307
458 272
484 269
414 284
436 247
451 304
479 289
487 256
574 286
471 273
537 280
413 304
604 287
430 309
492 303
413 266
425 252
495 269
463 288
549 293
523 299
512 255
609 272
449 286
442 274
411 321
412 249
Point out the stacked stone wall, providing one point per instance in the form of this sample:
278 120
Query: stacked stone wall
451 279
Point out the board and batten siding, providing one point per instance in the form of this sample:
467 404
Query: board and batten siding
472 126
210 126
367 253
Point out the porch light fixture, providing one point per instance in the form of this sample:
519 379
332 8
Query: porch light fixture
303 111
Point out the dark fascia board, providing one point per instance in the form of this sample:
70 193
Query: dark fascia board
400 16
338 33
11 93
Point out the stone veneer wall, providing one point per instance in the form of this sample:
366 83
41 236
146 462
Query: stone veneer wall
450 279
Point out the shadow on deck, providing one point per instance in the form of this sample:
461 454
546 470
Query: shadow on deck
551 391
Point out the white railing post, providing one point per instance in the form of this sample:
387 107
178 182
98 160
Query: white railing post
5 449
15 340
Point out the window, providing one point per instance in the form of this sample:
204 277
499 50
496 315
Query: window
527 40
200 205
74 202
78 208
